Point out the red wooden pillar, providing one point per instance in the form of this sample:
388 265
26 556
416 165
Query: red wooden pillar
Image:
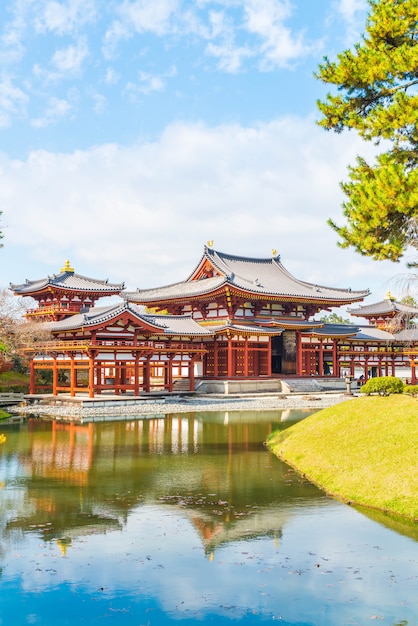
117 377
269 357
54 377
136 374
31 376
191 373
366 368
321 358
99 377
91 377
230 359
299 361
73 376
413 373
123 376
147 374
215 358
335 364
246 357
352 366
170 374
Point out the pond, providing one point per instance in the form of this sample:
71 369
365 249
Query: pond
187 519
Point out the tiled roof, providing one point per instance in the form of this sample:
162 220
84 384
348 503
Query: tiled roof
166 324
176 290
409 335
370 333
177 325
334 330
69 281
384 307
256 276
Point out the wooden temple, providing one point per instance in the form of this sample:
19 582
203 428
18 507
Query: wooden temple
236 319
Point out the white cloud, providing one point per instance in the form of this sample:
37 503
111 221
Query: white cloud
279 46
350 8
148 83
234 31
149 16
64 17
139 16
111 77
353 13
57 109
142 213
13 102
230 56
65 63
100 102
70 59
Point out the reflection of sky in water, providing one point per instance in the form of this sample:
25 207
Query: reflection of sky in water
331 566
135 539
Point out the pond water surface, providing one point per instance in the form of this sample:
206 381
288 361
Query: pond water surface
187 519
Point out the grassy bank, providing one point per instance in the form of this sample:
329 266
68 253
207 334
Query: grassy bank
14 381
363 451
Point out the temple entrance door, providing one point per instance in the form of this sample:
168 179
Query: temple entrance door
276 354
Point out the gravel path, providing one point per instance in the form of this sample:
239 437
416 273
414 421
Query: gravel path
187 405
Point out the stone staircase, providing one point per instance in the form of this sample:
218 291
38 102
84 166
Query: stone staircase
313 385
181 384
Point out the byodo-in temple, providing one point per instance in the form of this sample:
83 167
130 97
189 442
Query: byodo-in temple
235 324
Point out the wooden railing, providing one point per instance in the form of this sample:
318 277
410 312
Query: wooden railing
85 345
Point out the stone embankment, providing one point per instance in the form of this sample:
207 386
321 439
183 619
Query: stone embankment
178 404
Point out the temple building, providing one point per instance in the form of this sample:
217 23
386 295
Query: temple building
387 314
64 294
235 324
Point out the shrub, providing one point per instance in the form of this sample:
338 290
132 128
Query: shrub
383 385
411 390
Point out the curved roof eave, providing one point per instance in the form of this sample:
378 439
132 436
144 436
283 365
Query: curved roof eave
259 276
384 307
64 282
175 291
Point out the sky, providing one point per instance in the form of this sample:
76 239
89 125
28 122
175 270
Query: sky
134 132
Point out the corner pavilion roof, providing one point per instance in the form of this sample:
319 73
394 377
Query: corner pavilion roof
261 277
67 280
387 307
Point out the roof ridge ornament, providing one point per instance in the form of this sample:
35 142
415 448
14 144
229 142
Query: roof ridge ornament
67 267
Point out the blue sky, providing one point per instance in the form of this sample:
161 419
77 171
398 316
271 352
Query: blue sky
132 132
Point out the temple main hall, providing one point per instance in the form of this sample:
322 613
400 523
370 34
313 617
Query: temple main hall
235 324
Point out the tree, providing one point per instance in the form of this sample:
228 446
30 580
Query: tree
334 318
377 84
15 331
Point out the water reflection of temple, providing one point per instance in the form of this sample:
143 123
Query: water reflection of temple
88 479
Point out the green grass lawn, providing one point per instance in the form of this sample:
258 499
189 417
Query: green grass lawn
363 451
12 379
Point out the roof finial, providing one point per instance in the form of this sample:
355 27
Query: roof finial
67 267
390 297
210 243
273 252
